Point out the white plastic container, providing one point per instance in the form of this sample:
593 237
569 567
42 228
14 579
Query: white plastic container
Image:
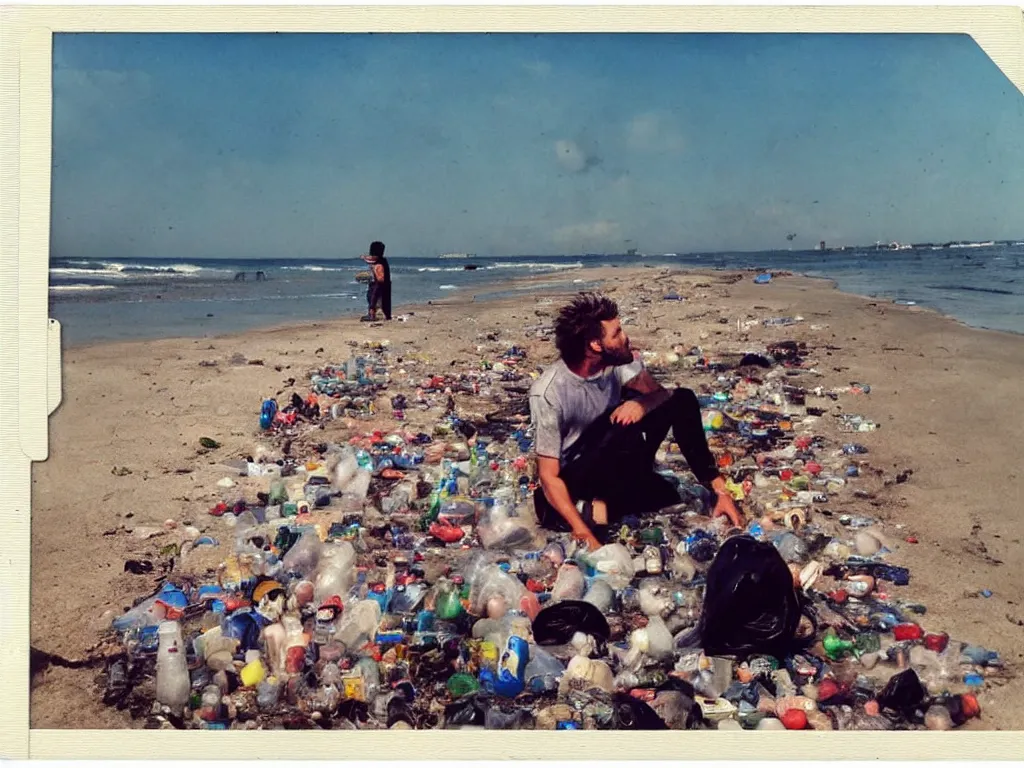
172 679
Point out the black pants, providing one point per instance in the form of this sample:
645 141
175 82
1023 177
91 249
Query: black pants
615 463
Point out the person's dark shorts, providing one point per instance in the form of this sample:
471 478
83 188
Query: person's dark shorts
373 295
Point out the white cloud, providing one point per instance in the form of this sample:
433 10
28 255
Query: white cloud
588 233
653 132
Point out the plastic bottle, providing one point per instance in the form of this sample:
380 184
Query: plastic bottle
172 679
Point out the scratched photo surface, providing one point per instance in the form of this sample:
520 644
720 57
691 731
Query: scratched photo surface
333 454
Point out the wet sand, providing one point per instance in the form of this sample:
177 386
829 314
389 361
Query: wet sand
124 445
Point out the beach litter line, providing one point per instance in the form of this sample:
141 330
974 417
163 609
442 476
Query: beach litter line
397 580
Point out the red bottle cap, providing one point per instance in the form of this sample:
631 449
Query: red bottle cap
786 475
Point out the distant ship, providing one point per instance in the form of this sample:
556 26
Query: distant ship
893 246
456 255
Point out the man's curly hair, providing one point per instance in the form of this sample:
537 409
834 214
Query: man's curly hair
579 323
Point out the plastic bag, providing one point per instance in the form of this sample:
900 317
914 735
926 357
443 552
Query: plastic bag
359 624
304 555
600 595
557 623
498 528
569 584
614 564
357 488
345 467
335 572
634 715
493 592
543 672
750 604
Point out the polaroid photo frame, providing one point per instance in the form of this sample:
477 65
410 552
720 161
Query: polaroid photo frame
31 358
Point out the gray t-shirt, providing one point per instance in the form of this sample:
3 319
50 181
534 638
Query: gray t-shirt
563 404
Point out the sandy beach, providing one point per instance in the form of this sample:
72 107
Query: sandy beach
125 457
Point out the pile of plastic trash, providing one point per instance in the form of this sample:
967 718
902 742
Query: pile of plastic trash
399 580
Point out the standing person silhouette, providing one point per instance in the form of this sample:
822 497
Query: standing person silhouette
378 295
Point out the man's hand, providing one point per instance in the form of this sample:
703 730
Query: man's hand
586 536
726 506
630 412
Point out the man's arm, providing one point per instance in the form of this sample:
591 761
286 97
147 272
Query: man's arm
558 496
652 394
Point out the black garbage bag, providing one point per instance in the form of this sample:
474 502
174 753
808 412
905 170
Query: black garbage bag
634 715
469 710
556 624
903 694
750 603
506 717
694 715
753 359
400 711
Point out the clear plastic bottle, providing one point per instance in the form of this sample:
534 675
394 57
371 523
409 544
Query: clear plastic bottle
172 680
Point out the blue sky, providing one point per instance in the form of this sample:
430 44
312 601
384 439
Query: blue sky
310 146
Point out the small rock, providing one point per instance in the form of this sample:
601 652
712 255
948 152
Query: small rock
770 724
866 544
937 718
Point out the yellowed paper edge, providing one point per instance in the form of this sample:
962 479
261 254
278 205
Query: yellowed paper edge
25 61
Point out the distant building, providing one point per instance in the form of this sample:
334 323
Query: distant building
821 246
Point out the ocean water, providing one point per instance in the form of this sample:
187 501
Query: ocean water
97 300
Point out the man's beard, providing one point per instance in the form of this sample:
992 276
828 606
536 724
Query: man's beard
617 357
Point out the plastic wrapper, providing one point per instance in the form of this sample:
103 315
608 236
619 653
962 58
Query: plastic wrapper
614 564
